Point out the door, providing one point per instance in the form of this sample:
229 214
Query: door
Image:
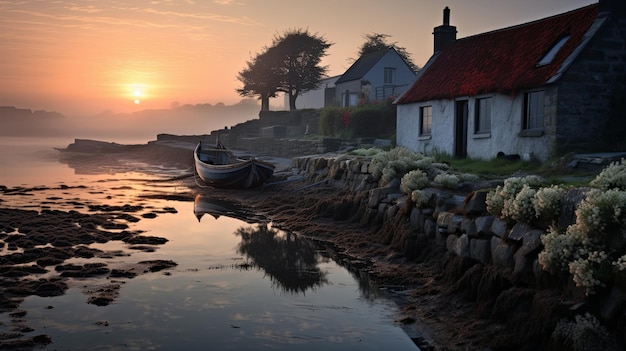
460 129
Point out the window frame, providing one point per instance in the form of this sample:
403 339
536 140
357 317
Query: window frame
534 110
389 75
482 115
426 120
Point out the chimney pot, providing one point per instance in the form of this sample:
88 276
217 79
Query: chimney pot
445 33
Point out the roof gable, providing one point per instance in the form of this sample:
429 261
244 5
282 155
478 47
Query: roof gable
363 65
501 61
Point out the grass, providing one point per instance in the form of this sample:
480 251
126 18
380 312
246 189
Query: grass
495 167
553 171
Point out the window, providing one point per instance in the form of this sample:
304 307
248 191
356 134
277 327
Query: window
390 73
533 110
482 116
426 120
349 99
549 56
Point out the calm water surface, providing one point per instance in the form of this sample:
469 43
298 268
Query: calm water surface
238 285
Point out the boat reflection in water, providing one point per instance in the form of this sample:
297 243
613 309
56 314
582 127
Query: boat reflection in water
204 204
290 261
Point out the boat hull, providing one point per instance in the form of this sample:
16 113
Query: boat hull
242 174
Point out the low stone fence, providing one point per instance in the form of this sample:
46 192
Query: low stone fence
459 225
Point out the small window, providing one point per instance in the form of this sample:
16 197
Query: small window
426 120
533 110
390 73
549 56
482 123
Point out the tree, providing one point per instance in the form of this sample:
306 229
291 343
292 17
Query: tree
376 42
300 54
260 78
290 65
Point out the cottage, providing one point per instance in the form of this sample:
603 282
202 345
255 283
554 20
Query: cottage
538 89
323 96
375 76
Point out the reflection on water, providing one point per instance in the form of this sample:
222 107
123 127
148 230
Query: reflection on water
238 283
291 262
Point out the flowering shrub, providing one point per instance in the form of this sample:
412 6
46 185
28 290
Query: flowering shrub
367 119
523 208
414 180
366 152
583 333
396 162
583 250
547 201
422 198
611 177
448 181
501 201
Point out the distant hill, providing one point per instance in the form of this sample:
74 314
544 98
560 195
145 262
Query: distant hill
25 122
184 119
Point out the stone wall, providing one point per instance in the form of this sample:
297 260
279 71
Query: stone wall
586 90
503 256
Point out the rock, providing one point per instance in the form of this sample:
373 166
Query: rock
477 203
502 253
499 228
480 250
462 246
518 231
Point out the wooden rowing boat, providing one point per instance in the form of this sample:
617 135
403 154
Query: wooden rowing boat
220 168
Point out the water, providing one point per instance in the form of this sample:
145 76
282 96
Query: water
239 284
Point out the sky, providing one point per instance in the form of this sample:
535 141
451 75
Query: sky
83 57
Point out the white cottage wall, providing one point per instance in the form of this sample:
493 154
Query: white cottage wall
506 125
441 139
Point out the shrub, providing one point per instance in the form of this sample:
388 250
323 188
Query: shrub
611 177
422 198
414 180
448 181
585 250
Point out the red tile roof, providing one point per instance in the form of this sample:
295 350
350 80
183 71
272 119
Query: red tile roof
502 61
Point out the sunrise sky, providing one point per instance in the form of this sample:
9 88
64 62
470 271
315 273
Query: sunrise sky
83 57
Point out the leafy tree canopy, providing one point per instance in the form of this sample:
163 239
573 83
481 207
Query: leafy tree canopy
291 65
376 42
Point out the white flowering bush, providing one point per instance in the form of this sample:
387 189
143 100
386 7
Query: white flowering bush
583 250
584 333
523 208
620 263
366 152
612 177
394 163
501 201
447 180
414 180
422 198
548 201
601 209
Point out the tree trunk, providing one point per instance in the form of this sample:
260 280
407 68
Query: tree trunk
292 102
265 103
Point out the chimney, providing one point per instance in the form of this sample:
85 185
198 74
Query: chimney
614 7
445 33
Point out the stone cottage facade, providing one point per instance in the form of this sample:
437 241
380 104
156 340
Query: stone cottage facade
538 89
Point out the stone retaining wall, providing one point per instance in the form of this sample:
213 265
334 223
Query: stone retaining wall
459 225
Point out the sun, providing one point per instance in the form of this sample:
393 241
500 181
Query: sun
137 92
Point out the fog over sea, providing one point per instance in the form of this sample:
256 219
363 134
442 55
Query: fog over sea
140 126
